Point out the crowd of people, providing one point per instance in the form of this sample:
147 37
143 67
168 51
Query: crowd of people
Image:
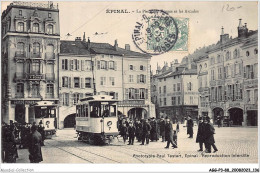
147 130
25 136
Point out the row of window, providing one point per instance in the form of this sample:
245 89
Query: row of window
136 93
230 92
33 68
176 87
141 67
36 49
35 90
175 101
35 28
21 14
236 54
75 64
77 82
250 71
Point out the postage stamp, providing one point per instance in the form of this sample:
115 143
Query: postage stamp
157 32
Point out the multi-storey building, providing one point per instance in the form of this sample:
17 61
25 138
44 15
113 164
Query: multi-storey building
88 67
232 74
177 94
30 47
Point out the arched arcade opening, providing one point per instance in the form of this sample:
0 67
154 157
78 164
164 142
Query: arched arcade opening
70 121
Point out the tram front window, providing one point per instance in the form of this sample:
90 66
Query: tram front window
105 109
45 112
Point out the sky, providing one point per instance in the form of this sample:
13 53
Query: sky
204 26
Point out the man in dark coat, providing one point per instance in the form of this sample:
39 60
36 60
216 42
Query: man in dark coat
162 129
131 133
154 127
209 136
146 132
42 132
138 130
200 134
190 127
169 134
9 145
124 132
35 140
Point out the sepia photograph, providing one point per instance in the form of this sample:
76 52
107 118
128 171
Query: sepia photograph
117 82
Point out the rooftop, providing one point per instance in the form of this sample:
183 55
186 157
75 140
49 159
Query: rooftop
87 48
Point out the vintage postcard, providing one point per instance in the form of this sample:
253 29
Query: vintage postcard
110 82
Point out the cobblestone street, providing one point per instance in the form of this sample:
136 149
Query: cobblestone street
235 145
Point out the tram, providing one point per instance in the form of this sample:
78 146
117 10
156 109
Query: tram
45 112
96 119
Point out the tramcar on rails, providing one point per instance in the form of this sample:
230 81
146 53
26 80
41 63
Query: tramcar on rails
44 111
96 119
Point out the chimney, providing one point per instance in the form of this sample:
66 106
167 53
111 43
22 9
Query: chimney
78 39
242 30
116 45
84 37
223 37
240 23
127 47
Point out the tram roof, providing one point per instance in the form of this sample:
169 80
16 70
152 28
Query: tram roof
101 98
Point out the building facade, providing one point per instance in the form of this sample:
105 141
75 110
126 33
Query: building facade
30 47
175 91
87 68
232 73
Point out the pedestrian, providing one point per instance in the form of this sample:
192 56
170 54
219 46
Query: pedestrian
138 130
35 140
190 127
162 129
175 138
10 150
153 129
169 134
178 127
131 133
209 136
41 131
124 132
219 121
145 132
158 129
23 139
200 134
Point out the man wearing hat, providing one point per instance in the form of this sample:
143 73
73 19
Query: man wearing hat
35 140
162 129
153 124
209 136
131 133
42 132
169 134
200 133
145 132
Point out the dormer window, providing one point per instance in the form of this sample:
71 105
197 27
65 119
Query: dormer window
49 15
20 27
20 13
49 29
35 27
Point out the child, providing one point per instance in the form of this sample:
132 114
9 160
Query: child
175 138
124 132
